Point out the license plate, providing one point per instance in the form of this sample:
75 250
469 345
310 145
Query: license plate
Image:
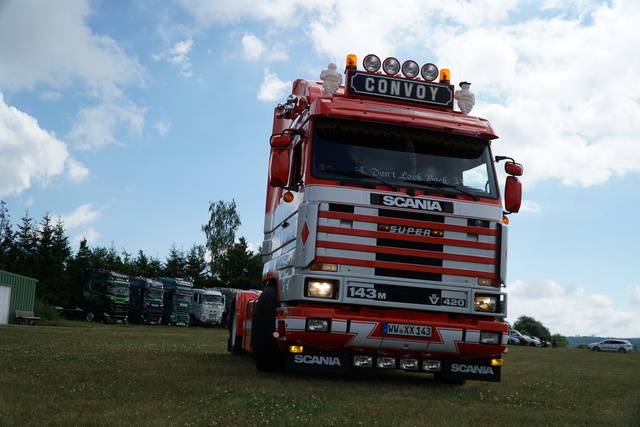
407 330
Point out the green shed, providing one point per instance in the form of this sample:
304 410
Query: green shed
23 293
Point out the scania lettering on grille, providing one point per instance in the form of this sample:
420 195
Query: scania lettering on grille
411 203
471 369
317 360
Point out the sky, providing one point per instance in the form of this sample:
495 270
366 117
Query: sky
126 119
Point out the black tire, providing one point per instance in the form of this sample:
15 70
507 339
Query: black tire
622 350
596 348
234 344
266 353
90 316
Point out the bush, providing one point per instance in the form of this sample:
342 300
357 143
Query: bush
46 311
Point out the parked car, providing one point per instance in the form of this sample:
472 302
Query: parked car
621 346
522 340
534 341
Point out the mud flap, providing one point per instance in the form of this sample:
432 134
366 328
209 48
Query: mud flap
316 361
470 370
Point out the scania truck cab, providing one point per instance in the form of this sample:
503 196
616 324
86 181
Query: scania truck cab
145 300
105 296
176 301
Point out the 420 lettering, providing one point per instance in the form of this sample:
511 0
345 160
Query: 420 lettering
366 293
454 302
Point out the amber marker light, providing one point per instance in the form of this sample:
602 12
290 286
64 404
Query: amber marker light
288 197
352 61
445 76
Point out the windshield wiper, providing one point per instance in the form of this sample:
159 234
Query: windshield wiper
438 184
359 174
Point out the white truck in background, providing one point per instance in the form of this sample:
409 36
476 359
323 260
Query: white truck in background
207 306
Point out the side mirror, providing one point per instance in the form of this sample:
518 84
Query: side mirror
513 168
512 194
279 167
280 141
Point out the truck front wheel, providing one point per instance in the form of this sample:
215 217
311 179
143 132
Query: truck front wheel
90 316
266 353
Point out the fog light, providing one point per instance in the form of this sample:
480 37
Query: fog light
432 365
363 361
409 364
318 325
487 337
386 362
485 303
497 362
296 349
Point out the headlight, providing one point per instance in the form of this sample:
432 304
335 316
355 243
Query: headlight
486 303
487 337
321 288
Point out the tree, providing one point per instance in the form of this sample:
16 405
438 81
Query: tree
196 267
220 230
176 265
530 326
6 236
23 252
241 268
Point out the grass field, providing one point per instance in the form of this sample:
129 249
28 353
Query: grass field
128 375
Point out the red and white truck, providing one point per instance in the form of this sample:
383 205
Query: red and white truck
385 233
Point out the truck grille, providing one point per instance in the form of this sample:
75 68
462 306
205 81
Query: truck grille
468 247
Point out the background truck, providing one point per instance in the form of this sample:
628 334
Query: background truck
385 237
105 296
207 306
176 301
145 300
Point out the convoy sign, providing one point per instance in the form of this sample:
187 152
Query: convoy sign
362 83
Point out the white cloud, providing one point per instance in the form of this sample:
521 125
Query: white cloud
81 217
272 88
98 125
89 234
163 127
56 46
178 54
254 49
530 206
76 171
569 310
28 153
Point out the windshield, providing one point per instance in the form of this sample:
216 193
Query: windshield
154 294
213 298
179 297
402 157
118 290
